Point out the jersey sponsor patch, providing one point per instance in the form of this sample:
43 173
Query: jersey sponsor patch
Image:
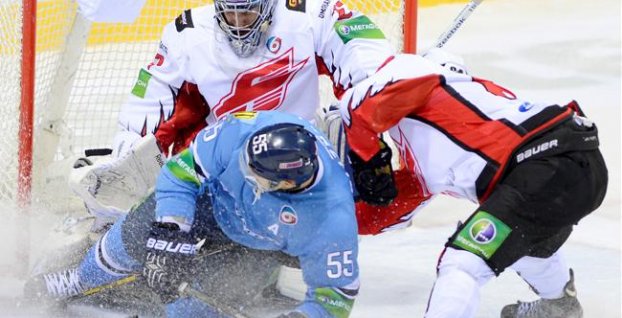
296 5
483 235
337 304
358 28
182 167
184 20
140 88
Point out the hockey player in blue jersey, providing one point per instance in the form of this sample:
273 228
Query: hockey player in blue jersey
255 183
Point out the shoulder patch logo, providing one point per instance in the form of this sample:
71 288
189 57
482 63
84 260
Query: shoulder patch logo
288 215
184 20
296 5
273 44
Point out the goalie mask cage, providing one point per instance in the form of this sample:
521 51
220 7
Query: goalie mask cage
65 78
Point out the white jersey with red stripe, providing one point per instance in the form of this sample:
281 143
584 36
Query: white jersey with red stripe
304 40
456 133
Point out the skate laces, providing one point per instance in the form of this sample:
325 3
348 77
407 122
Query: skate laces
528 309
63 284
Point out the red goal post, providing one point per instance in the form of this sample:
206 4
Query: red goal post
64 79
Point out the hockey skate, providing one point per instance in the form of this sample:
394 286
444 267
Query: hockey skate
54 287
567 306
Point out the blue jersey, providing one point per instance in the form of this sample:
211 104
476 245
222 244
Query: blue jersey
317 225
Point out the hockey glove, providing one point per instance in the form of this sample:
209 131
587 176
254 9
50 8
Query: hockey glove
447 60
374 179
170 252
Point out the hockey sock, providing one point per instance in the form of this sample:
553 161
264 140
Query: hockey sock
107 260
547 276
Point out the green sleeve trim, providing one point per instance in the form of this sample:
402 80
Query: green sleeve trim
483 235
334 303
182 167
358 28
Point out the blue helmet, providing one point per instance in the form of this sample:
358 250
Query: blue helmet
283 151
256 15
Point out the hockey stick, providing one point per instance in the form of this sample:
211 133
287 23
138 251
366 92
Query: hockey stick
96 290
457 23
186 290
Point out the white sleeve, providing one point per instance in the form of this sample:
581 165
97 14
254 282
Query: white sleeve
111 10
349 44
152 98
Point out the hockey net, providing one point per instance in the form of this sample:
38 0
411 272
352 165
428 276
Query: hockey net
82 75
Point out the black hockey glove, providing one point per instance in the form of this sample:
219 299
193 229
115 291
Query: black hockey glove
170 252
373 179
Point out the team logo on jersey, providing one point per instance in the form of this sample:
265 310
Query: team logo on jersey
273 44
483 235
296 5
262 87
342 11
288 215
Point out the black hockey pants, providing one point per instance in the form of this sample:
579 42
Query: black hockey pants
540 198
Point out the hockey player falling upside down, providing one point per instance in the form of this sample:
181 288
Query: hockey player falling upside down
535 169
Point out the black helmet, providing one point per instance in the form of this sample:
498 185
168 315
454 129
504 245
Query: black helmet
283 151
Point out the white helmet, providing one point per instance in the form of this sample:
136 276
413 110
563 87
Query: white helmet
244 22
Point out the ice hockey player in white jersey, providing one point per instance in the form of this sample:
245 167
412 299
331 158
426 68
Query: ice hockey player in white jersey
253 183
234 55
534 168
